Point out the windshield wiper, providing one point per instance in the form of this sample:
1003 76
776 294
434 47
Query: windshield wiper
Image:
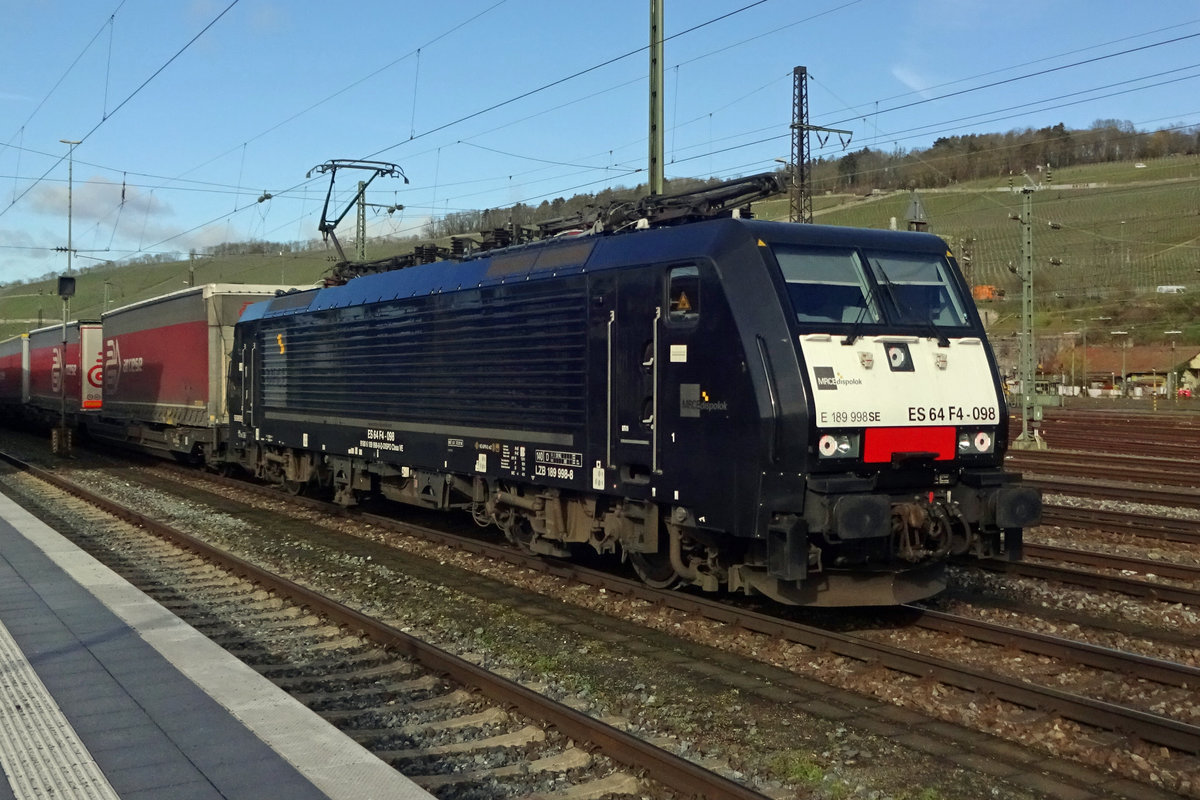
854 333
906 311
936 333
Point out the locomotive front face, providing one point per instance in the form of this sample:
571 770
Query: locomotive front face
897 368
907 426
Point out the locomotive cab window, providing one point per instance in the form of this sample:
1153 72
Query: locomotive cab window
827 284
683 298
919 289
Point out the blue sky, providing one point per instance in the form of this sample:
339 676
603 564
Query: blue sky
191 110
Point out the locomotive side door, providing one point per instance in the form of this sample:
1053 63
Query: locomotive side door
249 364
633 367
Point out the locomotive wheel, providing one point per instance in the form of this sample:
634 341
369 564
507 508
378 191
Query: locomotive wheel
520 533
293 487
655 570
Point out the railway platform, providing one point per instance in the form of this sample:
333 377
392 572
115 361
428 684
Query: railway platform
106 694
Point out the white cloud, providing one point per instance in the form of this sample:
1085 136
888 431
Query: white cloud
95 199
915 82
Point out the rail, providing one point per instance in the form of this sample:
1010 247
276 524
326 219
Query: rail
660 765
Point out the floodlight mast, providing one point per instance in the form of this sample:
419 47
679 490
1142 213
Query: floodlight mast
378 168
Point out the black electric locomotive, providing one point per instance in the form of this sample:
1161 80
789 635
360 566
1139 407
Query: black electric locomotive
807 412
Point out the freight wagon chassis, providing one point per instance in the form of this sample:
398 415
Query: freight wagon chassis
184 443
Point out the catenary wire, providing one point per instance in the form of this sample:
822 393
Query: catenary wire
121 105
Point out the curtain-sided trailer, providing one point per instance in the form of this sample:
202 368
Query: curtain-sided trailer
14 377
53 370
165 362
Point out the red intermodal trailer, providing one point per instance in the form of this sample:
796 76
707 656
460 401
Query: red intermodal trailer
14 379
56 380
165 364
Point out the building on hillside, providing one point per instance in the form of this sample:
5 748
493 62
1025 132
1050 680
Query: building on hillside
1046 355
1190 376
1135 370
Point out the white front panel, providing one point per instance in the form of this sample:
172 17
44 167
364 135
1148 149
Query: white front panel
91 362
899 381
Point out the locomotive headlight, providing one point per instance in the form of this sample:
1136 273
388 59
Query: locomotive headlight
839 445
975 442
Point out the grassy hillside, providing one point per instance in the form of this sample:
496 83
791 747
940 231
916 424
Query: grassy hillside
1120 231
1116 232
21 306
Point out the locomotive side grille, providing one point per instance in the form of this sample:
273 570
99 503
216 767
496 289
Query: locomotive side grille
507 355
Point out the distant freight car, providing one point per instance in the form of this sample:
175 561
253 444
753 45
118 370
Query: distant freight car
55 378
165 362
14 380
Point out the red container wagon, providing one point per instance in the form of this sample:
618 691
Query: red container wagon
72 381
165 364
14 378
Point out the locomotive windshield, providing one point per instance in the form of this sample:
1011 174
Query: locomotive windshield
827 284
855 287
920 289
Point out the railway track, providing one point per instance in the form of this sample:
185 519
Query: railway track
976 681
1097 581
1142 566
1126 523
1118 443
1172 733
1172 486
1160 434
1145 668
1104 466
434 715
1169 497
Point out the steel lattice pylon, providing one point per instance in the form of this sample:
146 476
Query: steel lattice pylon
800 188
799 193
